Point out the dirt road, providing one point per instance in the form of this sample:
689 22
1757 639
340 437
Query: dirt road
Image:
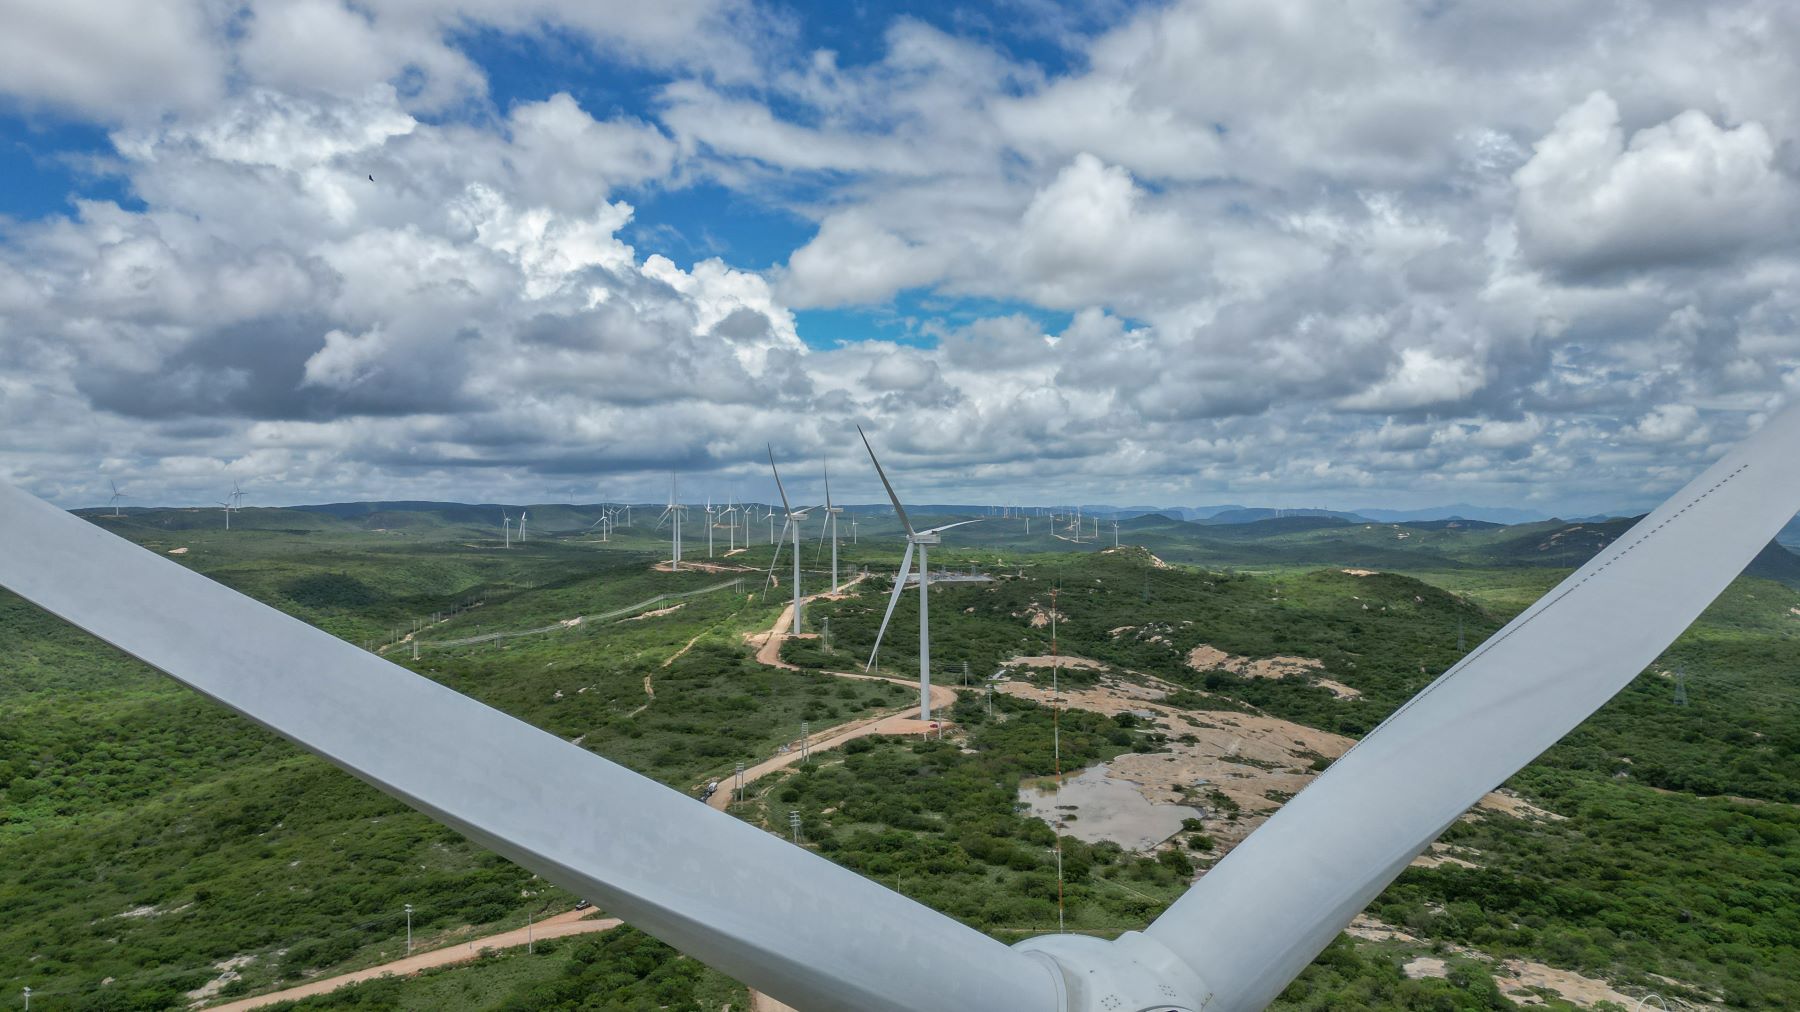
574 922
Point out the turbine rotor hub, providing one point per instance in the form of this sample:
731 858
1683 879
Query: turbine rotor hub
1133 973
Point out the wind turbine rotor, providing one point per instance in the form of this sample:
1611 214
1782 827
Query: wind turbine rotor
712 886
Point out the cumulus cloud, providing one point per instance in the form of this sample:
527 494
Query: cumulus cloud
853 260
1683 191
1421 379
1236 249
99 59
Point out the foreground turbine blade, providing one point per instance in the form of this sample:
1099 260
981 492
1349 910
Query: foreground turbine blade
898 509
893 599
1270 906
783 920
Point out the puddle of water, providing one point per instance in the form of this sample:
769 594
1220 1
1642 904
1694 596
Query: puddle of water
1105 809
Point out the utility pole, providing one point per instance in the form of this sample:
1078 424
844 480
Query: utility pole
28 990
530 945
805 741
794 824
825 633
409 929
739 774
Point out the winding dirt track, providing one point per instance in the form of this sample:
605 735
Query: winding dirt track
904 721
573 922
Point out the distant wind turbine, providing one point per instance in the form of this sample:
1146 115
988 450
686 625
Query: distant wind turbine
829 527
116 496
922 540
793 522
673 513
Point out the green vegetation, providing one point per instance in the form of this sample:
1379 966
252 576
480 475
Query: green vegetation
618 971
940 824
146 835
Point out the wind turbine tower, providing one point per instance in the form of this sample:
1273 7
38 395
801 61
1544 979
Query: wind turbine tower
506 528
831 515
1115 533
793 521
673 513
709 527
922 540
116 496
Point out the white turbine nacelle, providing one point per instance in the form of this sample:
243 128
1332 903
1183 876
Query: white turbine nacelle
1230 944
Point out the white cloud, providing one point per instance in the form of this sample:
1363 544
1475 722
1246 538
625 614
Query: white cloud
1422 379
1680 192
854 260
105 59
567 159
1296 248
1670 423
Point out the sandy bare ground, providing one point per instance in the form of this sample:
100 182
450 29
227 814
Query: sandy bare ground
1255 760
1046 661
1210 658
1338 689
1515 976
574 922
1358 572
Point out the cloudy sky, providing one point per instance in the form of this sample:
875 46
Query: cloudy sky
1355 253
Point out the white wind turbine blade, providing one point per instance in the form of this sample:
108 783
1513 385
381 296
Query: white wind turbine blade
893 599
1254 921
825 527
774 916
775 560
899 510
785 508
946 527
